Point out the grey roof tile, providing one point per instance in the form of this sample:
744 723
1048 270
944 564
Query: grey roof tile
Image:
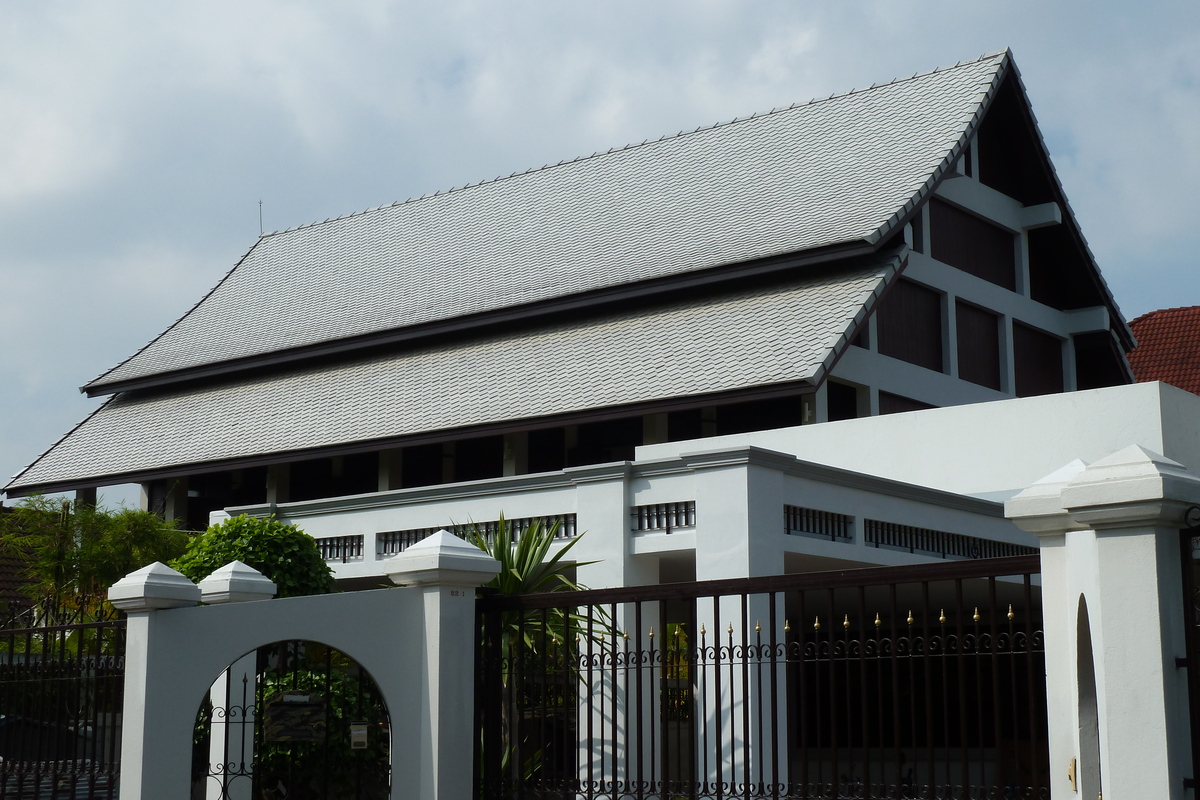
832 171
756 337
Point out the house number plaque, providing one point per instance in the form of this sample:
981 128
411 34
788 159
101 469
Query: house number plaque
358 736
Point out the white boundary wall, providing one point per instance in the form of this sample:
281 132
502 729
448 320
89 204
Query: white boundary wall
416 642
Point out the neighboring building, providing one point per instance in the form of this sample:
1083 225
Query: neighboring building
902 247
1168 347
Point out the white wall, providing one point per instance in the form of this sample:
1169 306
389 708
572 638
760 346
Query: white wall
988 449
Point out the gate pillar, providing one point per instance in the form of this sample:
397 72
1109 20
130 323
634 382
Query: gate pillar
447 571
142 594
1111 583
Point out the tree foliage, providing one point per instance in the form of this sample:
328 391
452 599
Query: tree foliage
72 553
282 552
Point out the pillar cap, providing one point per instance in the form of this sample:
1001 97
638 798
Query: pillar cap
1131 487
442 558
236 583
153 587
1039 509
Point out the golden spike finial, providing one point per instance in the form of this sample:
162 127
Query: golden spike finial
976 617
787 625
878 621
910 617
651 631
846 622
1011 615
626 635
816 623
942 617
702 631
730 631
757 626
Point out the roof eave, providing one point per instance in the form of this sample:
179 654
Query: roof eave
14 489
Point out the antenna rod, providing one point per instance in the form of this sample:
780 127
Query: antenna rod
260 228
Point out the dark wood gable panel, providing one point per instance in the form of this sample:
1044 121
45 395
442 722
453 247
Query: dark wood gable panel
978 345
1037 359
969 243
910 324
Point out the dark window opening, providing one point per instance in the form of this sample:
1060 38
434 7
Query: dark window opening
759 415
909 324
1098 361
977 247
547 450
478 459
895 404
683 425
334 477
978 345
968 167
1037 359
841 401
601 442
862 337
214 491
421 465
918 231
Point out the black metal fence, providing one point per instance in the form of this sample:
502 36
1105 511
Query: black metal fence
1189 559
875 683
61 689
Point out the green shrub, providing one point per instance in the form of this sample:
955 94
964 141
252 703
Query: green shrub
71 553
284 553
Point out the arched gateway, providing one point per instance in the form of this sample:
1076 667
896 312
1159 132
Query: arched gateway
293 719
414 643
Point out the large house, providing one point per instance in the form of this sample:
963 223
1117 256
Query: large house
567 342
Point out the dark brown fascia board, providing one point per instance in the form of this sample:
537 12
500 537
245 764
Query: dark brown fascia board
521 313
445 435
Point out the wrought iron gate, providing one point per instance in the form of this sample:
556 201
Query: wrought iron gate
61 688
874 683
295 720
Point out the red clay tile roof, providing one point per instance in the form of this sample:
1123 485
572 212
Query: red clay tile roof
1168 347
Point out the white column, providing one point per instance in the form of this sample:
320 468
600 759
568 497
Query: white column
1125 570
156 755
1039 510
447 570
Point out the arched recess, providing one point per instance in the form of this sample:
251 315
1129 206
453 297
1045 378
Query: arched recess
293 718
1088 769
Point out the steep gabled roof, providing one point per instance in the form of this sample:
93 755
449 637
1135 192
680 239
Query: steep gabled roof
837 174
1168 347
780 334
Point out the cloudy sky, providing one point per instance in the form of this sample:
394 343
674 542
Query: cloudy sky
137 138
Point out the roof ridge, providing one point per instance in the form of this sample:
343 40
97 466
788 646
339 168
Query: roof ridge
634 145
